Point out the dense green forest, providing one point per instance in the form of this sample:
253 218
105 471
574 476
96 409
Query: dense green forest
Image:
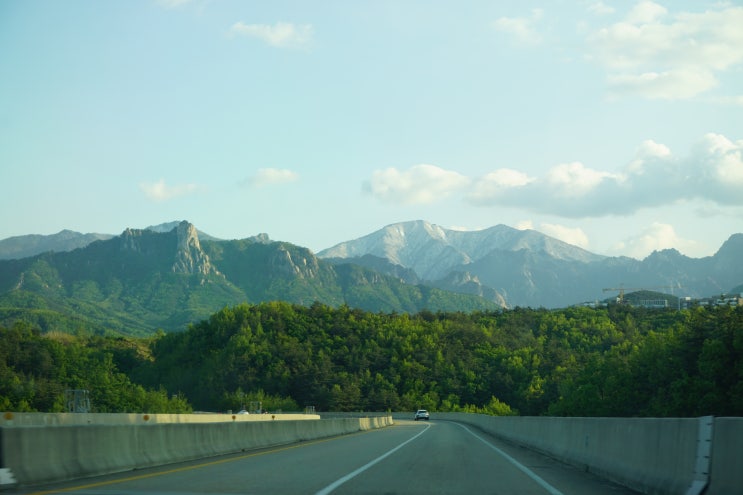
615 361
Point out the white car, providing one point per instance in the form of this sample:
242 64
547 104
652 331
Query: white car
421 414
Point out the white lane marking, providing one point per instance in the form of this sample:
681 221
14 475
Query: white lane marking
551 489
363 468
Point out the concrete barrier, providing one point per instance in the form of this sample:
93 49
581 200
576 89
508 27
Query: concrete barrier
726 470
43 454
650 455
69 419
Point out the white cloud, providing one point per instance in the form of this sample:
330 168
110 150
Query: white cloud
499 181
268 176
600 8
574 236
159 191
421 184
670 85
655 54
656 237
522 29
568 190
712 171
649 150
281 34
655 176
646 12
719 172
575 179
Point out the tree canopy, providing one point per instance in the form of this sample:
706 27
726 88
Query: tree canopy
616 361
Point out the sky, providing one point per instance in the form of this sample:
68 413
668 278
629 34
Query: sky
616 126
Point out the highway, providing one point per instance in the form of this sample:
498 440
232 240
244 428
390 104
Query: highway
408 458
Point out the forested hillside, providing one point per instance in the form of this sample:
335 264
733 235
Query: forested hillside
616 361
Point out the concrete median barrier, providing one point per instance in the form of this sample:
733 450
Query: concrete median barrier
43 454
70 419
650 455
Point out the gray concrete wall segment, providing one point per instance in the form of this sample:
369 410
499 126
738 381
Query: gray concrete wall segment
704 453
726 469
68 419
649 455
41 454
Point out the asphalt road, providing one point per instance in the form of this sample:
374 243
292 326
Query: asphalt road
408 458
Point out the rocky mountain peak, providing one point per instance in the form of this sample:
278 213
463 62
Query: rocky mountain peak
130 240
189 257
433 251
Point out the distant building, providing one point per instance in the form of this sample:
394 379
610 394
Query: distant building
722 300
653 303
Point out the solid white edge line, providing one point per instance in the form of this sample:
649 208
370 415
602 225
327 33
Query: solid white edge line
366 466
551 489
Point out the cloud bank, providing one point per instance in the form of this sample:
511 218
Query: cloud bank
712 171
656 237
658 55
421 184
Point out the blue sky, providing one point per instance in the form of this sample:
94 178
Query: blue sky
615 126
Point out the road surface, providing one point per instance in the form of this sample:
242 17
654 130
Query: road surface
427 457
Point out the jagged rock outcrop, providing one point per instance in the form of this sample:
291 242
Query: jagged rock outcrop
183 248
189 258
130 240
303 264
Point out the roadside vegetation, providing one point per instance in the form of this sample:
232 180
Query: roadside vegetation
615 361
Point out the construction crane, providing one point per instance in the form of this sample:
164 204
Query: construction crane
621 289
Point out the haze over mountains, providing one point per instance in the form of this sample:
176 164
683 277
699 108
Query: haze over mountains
499 267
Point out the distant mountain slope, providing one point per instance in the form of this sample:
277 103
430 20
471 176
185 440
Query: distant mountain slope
25 246
143 280
527 268
30 245
432 251
402 267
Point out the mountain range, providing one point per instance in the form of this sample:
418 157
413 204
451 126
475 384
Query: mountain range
148 279
526 268
169 275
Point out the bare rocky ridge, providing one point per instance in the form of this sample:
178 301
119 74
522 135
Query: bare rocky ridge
189 258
